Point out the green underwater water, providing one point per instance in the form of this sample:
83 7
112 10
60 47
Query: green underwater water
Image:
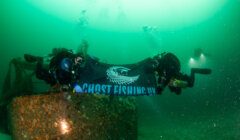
209 110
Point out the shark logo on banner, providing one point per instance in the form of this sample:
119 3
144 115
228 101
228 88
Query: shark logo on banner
118 75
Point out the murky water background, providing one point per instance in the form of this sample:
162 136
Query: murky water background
209 110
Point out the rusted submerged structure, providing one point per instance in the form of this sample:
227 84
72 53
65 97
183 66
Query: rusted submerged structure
31 114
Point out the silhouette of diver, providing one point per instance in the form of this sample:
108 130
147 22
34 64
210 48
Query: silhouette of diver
167 72
63 69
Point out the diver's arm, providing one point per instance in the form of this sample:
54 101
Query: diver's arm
188 81
178 83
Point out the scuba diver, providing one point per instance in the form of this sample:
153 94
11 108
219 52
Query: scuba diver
167 72
62 70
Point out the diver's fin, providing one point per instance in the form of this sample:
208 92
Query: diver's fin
31 58
201 71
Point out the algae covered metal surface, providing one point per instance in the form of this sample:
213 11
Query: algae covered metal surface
81 117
